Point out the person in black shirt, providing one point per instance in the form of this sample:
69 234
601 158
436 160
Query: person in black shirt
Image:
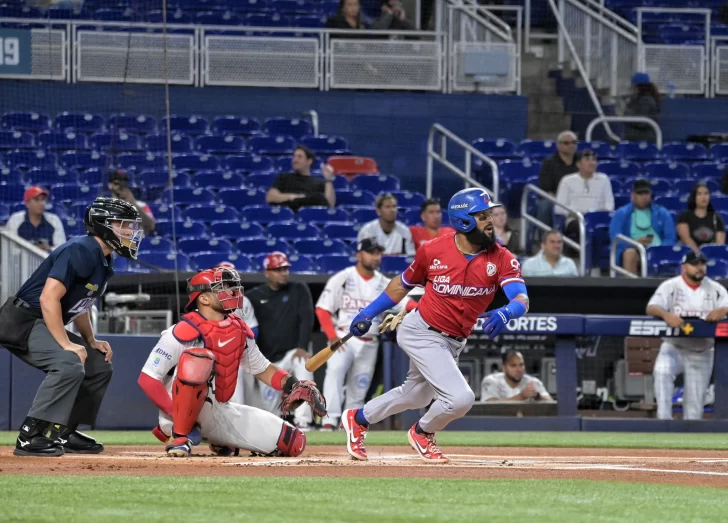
349 16
299 189
285 320
552 170
700 223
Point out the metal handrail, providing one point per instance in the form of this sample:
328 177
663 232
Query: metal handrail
615 269
630 33
314 120
626 119
486 17
580 67
610 17
18 259
527 218
470 151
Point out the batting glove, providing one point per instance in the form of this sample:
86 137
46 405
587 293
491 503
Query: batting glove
495 321
361 317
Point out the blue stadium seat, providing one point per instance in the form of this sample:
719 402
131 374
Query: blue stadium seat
309 22
317 215
114 15
16 140
638 151
4 213
195 162
158 244
719 204
603 150
291 7
234 230
166 261
158 178
374 183
73 192
47 177
708 170
77 210
341 231
326 145
220 144
622 168
537 149
257 246
158 143
394 264
365 215
135 123
241 198
319 247
273 145
189 125
26 121
236 126
669 170
411 217
190 196
285 164
718 269
597 229
30 159
194 245
660 187
672 203
141 161
267 214
54 141
79 122
299 264
218 18
261 179
363 198
499 149
513 172
10 176
291 231
218 180
247 164
11 193
176 17
206 213
182 229
341 183
715 252
719 151
83 159
287 127
331 263
683 186
409 199
74 227
206 260
691 152
163 211
665 261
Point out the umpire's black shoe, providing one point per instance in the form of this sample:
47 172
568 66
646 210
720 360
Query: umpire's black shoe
33 442
75 442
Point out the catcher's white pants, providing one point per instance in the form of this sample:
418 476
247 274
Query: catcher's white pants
357 360
233 425
270 399
697 366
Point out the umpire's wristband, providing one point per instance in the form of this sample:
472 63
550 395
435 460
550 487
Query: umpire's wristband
288 385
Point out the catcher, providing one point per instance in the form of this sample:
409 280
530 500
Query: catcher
192 373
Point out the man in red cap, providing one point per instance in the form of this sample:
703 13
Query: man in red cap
36 225
284 310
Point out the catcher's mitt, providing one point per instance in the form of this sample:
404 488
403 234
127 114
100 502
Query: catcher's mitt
304 392
391 321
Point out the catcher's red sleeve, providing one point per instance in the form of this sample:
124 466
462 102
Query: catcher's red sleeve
155 391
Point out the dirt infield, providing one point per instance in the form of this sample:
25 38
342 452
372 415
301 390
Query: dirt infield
680 467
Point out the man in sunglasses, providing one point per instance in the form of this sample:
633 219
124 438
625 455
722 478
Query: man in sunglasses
553 169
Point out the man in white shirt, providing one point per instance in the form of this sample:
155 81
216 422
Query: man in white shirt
36 225
395 237
690 295
513 384
550 261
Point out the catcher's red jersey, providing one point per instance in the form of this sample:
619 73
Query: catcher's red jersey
458 289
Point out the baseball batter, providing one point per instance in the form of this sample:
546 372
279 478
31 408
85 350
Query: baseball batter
344 295
690 295
192 373
461 272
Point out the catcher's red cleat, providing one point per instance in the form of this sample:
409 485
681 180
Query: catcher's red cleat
355 435
426 446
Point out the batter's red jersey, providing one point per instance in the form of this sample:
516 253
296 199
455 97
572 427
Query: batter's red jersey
457 291
421 234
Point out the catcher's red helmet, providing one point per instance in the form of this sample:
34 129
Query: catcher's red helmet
275 260
223 282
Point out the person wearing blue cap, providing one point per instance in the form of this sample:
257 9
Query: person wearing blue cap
645 101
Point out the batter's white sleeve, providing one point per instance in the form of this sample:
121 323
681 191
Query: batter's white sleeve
253 361
488 389
330 299
663 296
164 356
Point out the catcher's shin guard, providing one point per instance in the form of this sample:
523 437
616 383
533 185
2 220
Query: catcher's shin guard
189 389
291 442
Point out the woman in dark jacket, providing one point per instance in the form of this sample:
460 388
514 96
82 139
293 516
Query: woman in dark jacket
700 224
645 101
348 17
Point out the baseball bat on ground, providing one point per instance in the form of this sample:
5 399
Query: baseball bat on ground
318 359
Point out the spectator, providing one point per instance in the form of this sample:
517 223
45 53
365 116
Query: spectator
503 233
552 170
299 189
584 191
513 384
119 187
393 17
348 17
645 101
35 225
700 223
643 221
394 236
431 216
550 260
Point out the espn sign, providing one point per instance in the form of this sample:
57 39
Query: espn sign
652 328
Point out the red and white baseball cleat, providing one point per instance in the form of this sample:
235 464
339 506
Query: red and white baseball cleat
355 435
179 447
426 446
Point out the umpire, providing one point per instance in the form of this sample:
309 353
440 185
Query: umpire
32 326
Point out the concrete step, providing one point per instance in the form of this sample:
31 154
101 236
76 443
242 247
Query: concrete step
545 104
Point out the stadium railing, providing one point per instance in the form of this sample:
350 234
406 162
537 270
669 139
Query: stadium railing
625 119
615 268
719 63
18 260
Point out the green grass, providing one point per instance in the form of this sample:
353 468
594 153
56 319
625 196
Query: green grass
475 439
102 499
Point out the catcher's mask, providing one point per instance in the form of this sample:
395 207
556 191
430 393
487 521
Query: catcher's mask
224 283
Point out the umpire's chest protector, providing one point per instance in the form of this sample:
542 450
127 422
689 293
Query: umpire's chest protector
226 339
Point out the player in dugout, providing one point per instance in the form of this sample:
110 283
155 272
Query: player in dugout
512 384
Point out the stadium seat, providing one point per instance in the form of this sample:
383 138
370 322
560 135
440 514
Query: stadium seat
341 231
309 22
77 211
206 260
341 183
158 244
206 213
715 252
135 123
247 164
292 127
499 149
718 269
16 140
180 143
672 203
166 262
365 215
409 199
597 231
235 125
218 18
10 176
719 151
291 231
218 180
318 215
261 179
363 198
665 261
660 186
189 125
114 15
220 144
193 245
331 263
326 145
11 193
537 149
515 173
352 165
679 151
272 145
670 170
603 150
73 192
47 177
394 264
719 204
638 151
195 162
290 7
411 217
319 247
74 227
257 246
141 161
163 211
80 122
83 159
26 121
622 168
182 229
55 141
267 214
234 230
189 196
708 170
158 179
4 213
375 183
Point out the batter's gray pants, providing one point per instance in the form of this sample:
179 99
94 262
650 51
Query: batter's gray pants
72 391
433 373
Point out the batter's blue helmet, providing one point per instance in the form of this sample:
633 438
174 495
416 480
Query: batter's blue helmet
464 204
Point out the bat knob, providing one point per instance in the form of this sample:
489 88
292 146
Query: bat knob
362 326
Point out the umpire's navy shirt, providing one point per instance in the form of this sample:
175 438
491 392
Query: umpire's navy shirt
83 269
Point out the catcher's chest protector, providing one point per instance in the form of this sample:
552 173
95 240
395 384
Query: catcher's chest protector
226 338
